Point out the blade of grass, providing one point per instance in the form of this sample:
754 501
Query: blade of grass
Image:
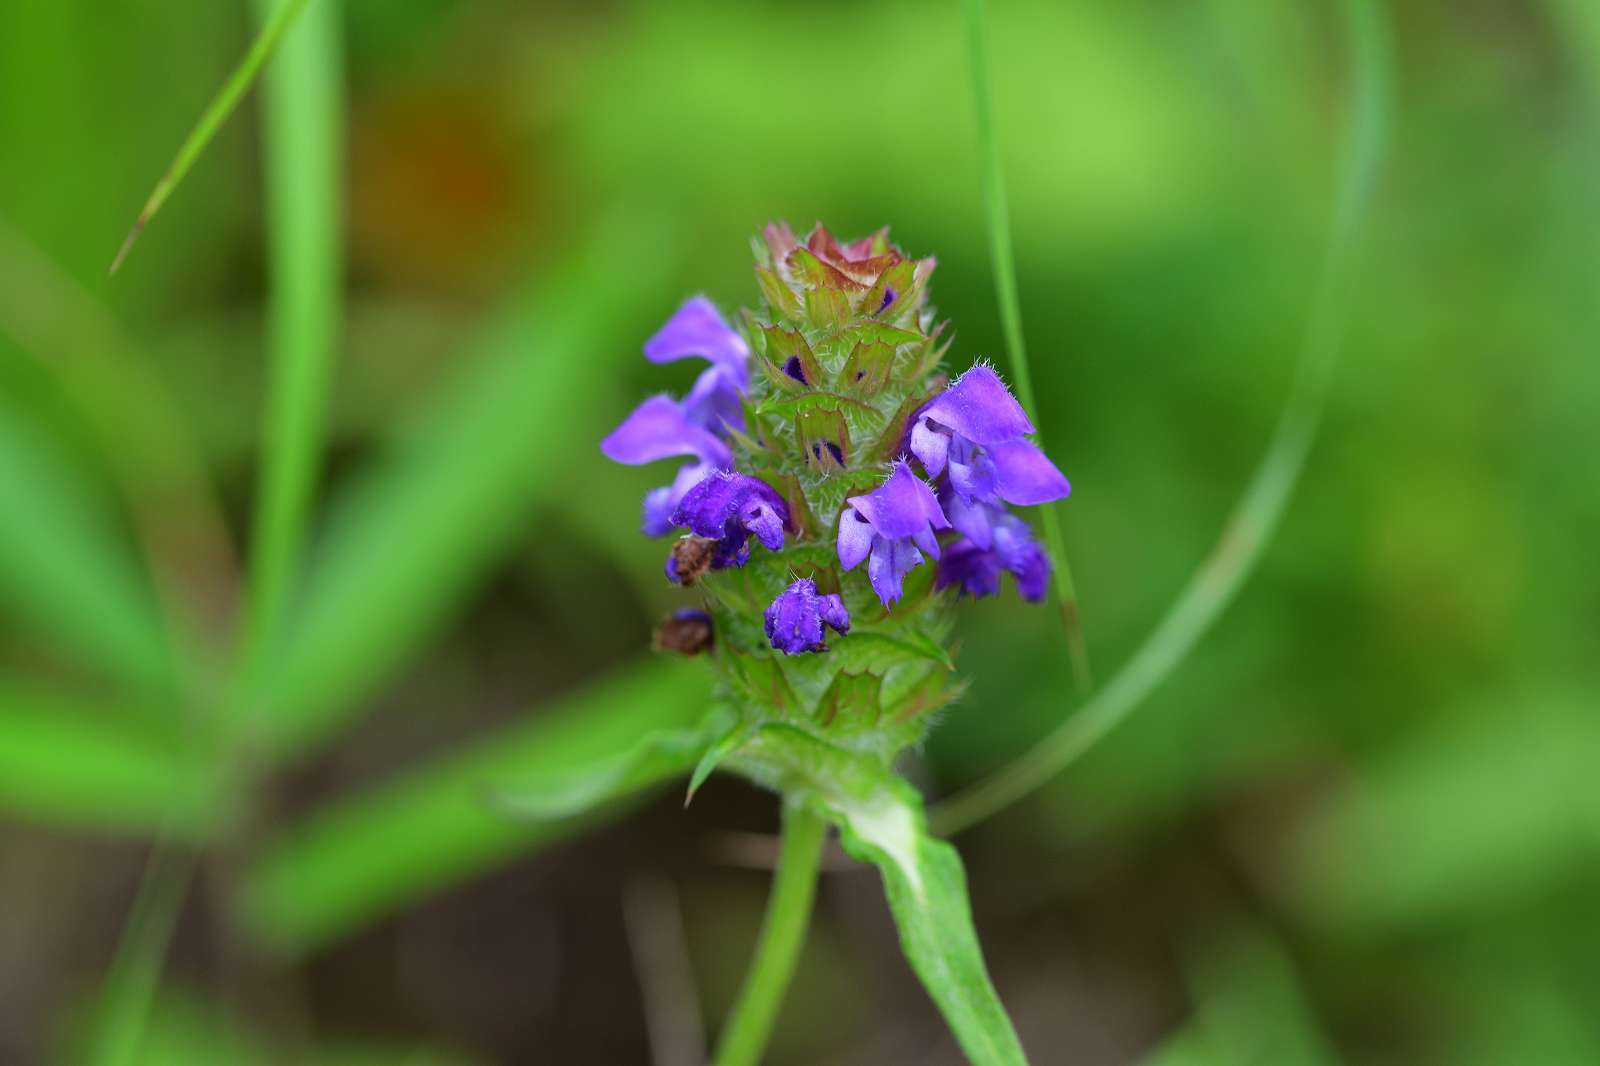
66 571
1256 516
212 118
116 768
135 974
122 402
408 539
1004 263
371 854
301 108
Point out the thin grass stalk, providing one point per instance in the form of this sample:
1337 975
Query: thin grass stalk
1003 262
1256 516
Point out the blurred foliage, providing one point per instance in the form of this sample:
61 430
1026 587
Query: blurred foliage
1356 824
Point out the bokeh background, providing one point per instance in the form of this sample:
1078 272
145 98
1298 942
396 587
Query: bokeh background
1360 823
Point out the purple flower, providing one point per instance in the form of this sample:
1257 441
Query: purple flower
662 427
728 507
796 617
977 430
889 524
976 570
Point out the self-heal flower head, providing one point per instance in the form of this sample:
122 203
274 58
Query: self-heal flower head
727 508
887 526
978 431
975 570
662 427
795 619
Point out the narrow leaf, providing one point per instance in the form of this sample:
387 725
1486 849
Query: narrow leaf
927 892
409 539
65 570
212 118
67 762
377 852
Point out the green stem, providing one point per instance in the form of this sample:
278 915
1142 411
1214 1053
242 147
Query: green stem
301 99
1005 286
1256 516
215 114
783 931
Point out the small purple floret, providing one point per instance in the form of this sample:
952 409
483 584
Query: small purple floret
977 430
889 525
976 570
728 507
795 619
662 427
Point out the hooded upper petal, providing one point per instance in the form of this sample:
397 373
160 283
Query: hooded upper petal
698 329
903 506
980 407
658 429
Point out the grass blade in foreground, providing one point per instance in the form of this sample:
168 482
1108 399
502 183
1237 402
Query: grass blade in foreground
64 571
302 102
409 538
212 118
71 762
1005 287
1255 517
372 854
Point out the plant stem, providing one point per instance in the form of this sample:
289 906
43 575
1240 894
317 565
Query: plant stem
301 100
215 114
1004 263
783 931
1256 515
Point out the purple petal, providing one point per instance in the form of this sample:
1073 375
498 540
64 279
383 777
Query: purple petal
975 480
930 446
714 401
975 570
760 518
890 562
1019 553
972 519
855 538
792 623
980 407
831 608
698 329
794 620
660 503
728 507
1024 475
657 429
902 506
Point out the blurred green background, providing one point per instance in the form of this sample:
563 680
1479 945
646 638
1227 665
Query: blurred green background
1360 823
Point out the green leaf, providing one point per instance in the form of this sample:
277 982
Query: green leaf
410 538
64 761
927 893
184 1030
377 852
732 737
656 757
66 571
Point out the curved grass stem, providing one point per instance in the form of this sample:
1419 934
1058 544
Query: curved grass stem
1004 264
215 114
1256 516
783 931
